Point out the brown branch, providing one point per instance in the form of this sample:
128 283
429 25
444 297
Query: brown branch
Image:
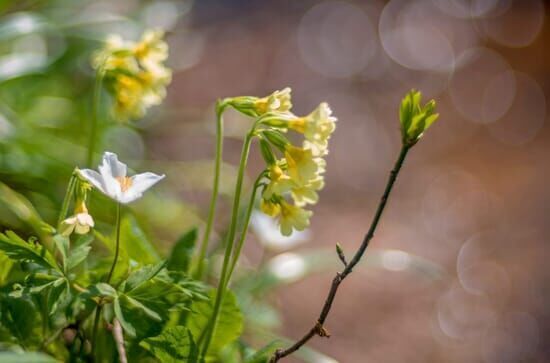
119 339
318 328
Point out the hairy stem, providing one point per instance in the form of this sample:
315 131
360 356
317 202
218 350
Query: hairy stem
209 332
318 328
220 107
95 115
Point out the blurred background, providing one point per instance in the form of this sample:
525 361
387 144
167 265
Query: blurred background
457 271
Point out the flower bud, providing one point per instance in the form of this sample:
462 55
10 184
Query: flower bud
414 118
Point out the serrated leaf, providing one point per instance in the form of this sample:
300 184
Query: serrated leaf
182 252
229 325
173 345
143 275
19 315
79 253
128 328
18 249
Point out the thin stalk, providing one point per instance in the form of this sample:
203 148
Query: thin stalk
207 336
244 232
67 200
318 328
117 244
109 276
95 115
220 107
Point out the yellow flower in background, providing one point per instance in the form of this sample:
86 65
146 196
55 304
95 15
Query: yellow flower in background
293 217
134 73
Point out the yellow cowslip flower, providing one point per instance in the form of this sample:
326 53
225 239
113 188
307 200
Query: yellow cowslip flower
279 182
293 217
270 208
303 166
307 194
316 127
278 101
134 73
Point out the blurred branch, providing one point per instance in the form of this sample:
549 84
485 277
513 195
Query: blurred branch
318 328
119 339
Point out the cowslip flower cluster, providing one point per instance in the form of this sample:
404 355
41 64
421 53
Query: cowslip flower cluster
134 73
294 172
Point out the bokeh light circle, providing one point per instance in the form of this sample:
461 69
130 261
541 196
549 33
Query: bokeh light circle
484 86
336 39
525 116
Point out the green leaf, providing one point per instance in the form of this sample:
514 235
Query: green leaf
62 244
128 328
135 242
173 345
102 289
22 208
26 357
5 267
18 249
143 275
182 252
78 254
230 321
19 315
133 303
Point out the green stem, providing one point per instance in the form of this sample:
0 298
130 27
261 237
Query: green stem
244 232
229 245
95 115
117 244
220 107
67 200
108 280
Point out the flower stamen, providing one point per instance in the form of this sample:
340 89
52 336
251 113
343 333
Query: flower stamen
125 182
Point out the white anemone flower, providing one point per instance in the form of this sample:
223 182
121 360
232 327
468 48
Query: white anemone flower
114 183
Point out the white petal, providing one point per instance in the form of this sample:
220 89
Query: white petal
110 184
94 178
142 182
118 169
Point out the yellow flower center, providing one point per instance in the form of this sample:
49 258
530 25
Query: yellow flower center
125 182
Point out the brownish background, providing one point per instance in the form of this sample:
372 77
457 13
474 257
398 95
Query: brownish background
472 198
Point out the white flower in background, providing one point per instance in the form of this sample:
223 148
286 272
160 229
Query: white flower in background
269 234
114 183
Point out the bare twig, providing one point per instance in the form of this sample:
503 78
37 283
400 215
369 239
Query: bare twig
119 339
318 328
